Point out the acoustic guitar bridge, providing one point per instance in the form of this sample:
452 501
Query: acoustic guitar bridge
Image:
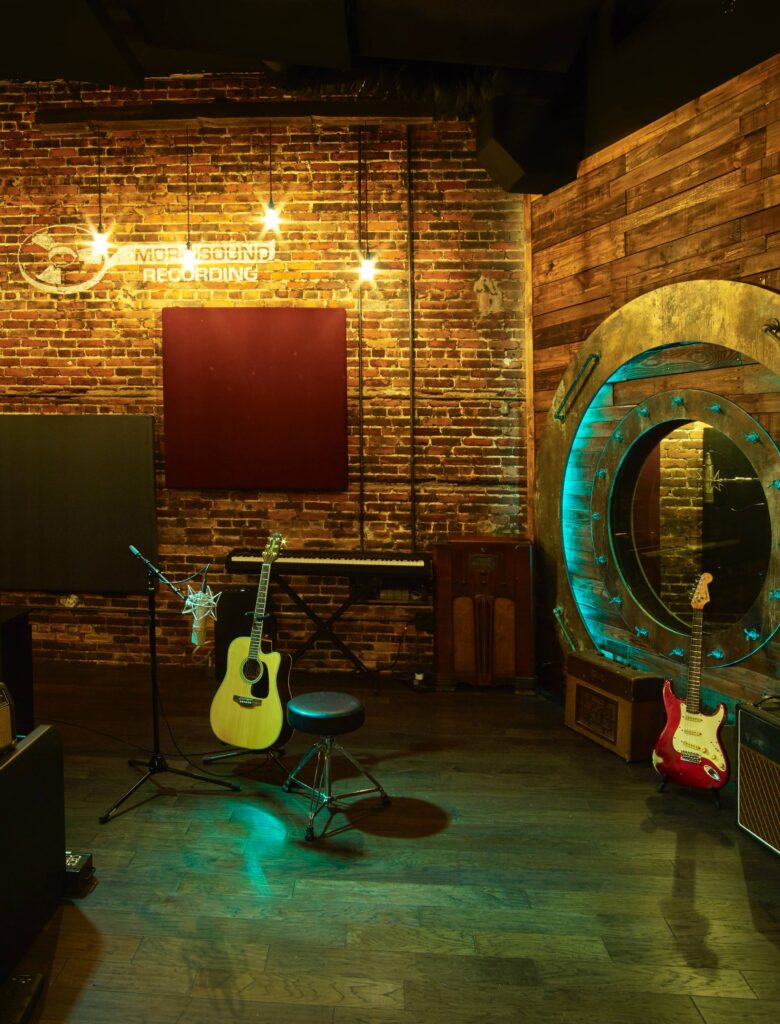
247 702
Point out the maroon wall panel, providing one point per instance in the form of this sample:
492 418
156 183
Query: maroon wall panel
255 398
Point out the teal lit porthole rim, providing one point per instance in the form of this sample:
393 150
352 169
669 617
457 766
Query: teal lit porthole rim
684 405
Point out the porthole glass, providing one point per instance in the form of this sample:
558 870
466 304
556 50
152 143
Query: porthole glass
687 500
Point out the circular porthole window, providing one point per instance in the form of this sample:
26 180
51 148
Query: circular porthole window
684 485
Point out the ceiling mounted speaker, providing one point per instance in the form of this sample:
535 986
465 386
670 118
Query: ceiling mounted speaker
527 145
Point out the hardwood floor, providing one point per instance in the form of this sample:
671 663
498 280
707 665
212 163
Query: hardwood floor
521 873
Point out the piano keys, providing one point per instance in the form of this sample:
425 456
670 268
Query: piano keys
384 564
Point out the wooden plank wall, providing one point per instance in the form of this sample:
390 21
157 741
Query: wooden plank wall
694 195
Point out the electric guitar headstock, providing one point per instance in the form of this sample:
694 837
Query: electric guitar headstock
701 594
273 546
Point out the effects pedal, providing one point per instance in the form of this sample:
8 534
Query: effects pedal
79 870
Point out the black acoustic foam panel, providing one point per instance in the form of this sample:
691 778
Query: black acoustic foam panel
75 492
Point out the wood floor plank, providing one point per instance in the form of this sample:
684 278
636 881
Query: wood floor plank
541 945
218 1008
310 990
732 1011
454 942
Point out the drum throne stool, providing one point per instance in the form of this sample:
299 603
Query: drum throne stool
327 715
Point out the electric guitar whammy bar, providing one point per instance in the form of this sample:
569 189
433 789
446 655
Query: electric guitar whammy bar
249 708
689 751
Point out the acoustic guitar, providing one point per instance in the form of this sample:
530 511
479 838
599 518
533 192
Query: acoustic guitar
249 709
689 751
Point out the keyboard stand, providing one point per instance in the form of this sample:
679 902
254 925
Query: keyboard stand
359 594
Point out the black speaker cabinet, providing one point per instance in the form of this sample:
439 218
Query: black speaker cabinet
758 778
16 664
7 722
32 845
484 633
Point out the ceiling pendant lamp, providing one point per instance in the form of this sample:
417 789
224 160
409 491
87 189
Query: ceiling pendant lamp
271 217
367 261
188 253
100 236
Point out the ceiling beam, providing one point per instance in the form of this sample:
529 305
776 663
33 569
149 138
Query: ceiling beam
219 114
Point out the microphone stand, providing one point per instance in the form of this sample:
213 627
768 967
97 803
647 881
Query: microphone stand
157 762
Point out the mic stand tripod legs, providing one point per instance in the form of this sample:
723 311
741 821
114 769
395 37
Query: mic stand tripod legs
270 755
154 766
157 764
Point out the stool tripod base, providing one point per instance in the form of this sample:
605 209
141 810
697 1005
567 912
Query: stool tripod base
321 792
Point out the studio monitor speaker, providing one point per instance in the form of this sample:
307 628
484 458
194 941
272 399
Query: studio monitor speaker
758 780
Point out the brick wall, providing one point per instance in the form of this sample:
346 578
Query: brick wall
99 350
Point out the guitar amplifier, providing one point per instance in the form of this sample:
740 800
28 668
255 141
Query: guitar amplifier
758 779
614 705
7 727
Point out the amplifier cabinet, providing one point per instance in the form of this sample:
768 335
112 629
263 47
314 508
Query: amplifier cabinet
483 607
7 726
32 850
758 774
616 706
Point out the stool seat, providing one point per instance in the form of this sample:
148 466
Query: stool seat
325 714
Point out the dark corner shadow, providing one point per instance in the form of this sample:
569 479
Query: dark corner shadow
68 935
402 818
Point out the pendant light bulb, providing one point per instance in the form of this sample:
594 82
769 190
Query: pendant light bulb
271 219
100 242
188 257
367 268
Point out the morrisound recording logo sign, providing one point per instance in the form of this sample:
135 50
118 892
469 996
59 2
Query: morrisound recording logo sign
62 260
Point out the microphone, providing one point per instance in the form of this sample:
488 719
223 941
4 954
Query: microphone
201 604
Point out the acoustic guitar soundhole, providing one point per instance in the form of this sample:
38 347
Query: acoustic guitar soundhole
255 673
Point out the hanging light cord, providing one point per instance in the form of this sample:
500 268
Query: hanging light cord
367 248
270 168
187 159
361 431
410 301
99 189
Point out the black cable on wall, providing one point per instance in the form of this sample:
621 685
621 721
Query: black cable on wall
361 431
410 302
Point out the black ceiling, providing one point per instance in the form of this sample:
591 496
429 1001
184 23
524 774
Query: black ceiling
548 81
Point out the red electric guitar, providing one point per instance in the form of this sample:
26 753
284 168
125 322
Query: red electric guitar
689 751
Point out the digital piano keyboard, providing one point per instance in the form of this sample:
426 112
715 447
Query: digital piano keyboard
247 561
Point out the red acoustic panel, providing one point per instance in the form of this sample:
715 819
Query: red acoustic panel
255 398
